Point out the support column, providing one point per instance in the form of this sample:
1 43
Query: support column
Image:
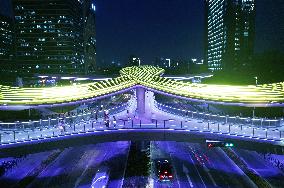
140 94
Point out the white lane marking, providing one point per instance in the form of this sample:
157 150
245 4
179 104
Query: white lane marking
78 181
170 153
150 183
197 171
210 176
185 170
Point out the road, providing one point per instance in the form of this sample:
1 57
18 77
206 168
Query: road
157 153
24 167
265 169
197 166
75 167
194 166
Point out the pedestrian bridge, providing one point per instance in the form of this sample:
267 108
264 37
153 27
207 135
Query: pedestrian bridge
148 77
91 132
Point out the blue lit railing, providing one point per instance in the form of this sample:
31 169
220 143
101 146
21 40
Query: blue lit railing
131 123
51 122
224 119
87 124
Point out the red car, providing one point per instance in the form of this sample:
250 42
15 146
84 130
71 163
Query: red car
164 170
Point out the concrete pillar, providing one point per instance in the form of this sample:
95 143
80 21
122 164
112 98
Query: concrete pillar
140 94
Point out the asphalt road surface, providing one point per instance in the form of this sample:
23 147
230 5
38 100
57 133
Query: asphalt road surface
197 166
75 167
265 169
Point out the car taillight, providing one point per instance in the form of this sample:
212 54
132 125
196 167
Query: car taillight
165 172
161 177
170 176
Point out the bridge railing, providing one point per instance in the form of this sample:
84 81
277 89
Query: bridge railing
53 122
128 122
258 122
87 123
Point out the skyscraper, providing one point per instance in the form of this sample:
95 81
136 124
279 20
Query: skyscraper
50 36
230 33
89 36
6 41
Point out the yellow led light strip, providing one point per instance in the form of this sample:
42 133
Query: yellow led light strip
148 76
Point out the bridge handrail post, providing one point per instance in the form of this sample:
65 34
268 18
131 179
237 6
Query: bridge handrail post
156 123
218 127
208 127
132 123
140 123
74 127
48 121
0 138
181 124
14 132
164 124
266 133
252 131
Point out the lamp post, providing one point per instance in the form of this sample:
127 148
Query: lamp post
255 80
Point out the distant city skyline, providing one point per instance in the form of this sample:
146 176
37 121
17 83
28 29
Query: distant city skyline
169 29
149 29
176 30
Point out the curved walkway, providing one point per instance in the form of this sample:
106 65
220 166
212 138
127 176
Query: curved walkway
146 76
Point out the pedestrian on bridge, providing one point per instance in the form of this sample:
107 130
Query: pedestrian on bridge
107 123
114 122
96 115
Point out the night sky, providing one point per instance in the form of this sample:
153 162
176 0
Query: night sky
171 28
149 29
168 28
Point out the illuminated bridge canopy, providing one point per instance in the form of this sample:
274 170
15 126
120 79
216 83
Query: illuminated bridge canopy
148 77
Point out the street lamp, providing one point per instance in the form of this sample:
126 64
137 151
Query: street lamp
255 80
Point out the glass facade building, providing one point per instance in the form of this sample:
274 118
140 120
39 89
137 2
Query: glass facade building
230 33
89 36
6 41
50 36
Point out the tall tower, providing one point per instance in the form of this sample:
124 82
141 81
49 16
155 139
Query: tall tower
230 33
49 36
6 38
89 36
6 41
